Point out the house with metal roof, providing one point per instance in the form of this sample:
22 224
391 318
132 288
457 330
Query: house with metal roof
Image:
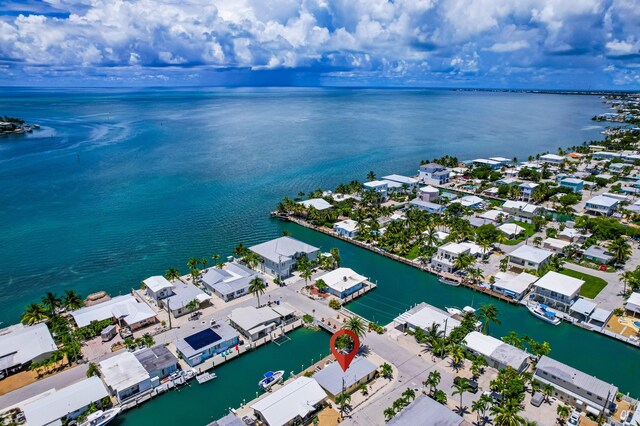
343 282
206 343
497 353
424 316
526 189
555 245
557 290
575 387
513 286
433 174
511 230
124 376
378 186
21 345
184 298
229 282
157 287
294 403
601 205
597 254
279 257
335 381
319 204
445 257
573 235
125 310
158 361
347 228
576 185
633 303
552 159
57 406
407 182
255 323
521 210
470 201
529 257
423 408
427 206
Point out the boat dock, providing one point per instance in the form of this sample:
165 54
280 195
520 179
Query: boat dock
205 377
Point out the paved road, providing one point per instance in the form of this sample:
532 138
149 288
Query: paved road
609 297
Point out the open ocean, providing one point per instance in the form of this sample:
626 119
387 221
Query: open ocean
119 185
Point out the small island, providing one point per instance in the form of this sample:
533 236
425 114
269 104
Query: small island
12 125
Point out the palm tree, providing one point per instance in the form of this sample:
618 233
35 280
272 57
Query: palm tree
504 264
433 380
215 258
386 371
321 285
51 302
440 396
193 263
343 399
512 339
456 353
240 250
627 277
459 389
72 301
33 314
204 262
251 259
464 261
479 407
306 274
389 413
563 412
371 175
537 241
335 253
620 249
506 414
488 313
257 288
409 395
547 391
172 274
398 405
356 325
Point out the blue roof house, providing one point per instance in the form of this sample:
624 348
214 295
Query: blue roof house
576 185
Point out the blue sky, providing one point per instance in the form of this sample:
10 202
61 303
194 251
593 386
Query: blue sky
529 44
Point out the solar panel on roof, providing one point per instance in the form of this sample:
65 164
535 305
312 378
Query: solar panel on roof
202 338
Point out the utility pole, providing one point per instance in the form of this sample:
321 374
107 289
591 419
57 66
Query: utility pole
169 312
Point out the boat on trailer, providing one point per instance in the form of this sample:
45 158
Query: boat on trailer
270 379
542 311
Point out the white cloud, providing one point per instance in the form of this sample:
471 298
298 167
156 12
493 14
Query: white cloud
510 46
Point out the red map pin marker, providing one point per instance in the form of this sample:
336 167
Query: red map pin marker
344 359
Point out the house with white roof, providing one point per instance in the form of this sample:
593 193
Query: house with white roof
206 343
475 250
528 257
470 201
343 282
255 323
21 345
407 182
347 228
601 205
157 287
57 406
521 211
445 257
333 380
633 303
380 187
494 215
124 376
573 235
511 230
483 162
231 281
424 316
513 286
183 298
497 353
433 174
279 257
526 189
555 245
427 206
319 204
428 193
552 159
557 290
294 403
597 254
502 160
125 310
574 387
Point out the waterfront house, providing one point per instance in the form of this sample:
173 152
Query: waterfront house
183 299
597 254
502 160
555 245
343 282
158 361
255 323
427 206
557 290
576 185
470 201
633 304
294 403
380 187
574 387
445 257
280 256
62 405
157 287
511 230
124 376
573 235
422 408
552 159
428 193
582 309
497 353
513 286
483 162
601 205
125 310
206 343
347 228
475 250
424 316
526 190
408 183
521 210
606 155
319 204
335 381
21 345
528 257
229 282
617 168
433 174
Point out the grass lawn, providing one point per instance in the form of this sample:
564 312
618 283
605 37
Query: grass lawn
529 230
414 252
592 285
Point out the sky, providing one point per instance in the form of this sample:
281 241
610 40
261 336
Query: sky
502 44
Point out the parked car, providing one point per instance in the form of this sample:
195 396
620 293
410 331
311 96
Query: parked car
494 395
574 419
537 399
472 384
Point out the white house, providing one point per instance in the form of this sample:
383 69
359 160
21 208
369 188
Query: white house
557 290
483 162
334 381
528 257
511 230
555 245
470 201
229 282
573 235
255 323
125 310
494 215
428 193
407 182
425 316
157 287
21 345
294 403
343 282
552 159
446 256
601 205
124 376
514 286
317 203
206 343
633 303
183 298
434 174
380 187
347 228
521 211
497 353
427 206
526 190
279 256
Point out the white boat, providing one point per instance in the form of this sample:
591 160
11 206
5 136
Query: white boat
448 282
270 379
468 309
458 311
100 418
541 311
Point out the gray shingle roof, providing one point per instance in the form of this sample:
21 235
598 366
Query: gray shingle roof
156 358
282 248
330 377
